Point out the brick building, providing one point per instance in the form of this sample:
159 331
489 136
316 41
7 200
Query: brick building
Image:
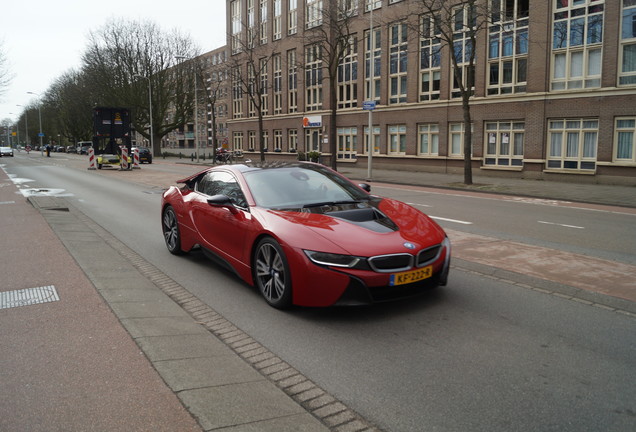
554 89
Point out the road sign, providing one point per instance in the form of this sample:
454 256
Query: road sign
28 148
40 134
368 105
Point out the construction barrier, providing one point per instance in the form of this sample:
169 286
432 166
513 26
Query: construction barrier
123 160
136 158
92 161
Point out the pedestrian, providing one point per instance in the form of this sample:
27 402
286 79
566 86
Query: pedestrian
48 150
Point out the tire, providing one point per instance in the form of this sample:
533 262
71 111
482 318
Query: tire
271 273
99 166
170 228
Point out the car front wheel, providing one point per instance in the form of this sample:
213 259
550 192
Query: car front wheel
171 232
271 273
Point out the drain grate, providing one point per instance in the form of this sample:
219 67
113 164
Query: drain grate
28 296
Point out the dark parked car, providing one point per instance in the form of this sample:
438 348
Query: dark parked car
145 155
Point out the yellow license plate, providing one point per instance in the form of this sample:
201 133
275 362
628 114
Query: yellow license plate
411 276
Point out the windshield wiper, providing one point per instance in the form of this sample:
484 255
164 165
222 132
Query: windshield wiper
331 203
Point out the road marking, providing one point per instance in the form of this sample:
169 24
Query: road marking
563 225
418 205
450 220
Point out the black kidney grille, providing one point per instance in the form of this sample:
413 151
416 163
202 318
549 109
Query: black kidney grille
390 263
427 255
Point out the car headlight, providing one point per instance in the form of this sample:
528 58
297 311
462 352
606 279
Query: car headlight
331 259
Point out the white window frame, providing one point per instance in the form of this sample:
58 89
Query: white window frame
569 144
348 75
428 139
430 60
396 139
504 144
398 63
627 50
313 13
376 140
347 143
292 17
625 139
456 140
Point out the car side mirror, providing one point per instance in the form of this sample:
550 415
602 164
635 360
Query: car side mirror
365 186
222 201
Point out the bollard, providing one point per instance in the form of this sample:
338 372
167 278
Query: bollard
123 158
136 158
92 161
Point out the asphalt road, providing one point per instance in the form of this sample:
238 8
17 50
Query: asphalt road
479 354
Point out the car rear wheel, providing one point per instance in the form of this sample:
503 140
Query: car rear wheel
171 231
271 273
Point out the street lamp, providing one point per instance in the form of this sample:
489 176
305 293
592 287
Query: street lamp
41 135
152 147
196 110
26 125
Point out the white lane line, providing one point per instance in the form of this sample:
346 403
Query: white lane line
563 225
450 220
418 205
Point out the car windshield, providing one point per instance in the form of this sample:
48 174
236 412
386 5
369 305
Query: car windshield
300 186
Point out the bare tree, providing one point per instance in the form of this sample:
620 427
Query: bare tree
249 68
127 59
213 80
331 41
5 75
69 101
457 25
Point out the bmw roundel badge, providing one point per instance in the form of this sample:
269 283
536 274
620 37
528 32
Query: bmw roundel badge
409 245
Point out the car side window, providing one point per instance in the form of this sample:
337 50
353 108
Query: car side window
222 183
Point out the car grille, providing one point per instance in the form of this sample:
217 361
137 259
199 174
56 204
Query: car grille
404 261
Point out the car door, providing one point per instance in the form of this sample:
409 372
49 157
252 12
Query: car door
222 227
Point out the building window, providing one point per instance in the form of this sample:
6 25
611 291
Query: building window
508 47
313 13
572 144
398 62
237 140
264 85
278 19
625 136
292 17
397 139
313 138
347 143
430 59
292 82
278 140
428 139
347 8
376 140
278 84
372 5
266 140
373 92
348 75
577 39
628 44
456 140
504 143
463 26
263 26
251 141
237 95
251 23
313 78
292 139
235 10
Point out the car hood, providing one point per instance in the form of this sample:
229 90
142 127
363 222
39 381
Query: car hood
385 226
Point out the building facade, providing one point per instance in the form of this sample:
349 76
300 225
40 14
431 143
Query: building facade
553 88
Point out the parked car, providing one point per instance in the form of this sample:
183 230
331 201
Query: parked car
6 151
145 155
83 150
304 234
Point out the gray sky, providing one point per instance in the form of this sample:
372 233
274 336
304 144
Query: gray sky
42 39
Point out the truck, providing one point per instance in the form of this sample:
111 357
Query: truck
111 132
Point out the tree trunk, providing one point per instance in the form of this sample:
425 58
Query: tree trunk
468 138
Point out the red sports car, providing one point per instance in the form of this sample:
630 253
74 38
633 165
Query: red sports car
305 235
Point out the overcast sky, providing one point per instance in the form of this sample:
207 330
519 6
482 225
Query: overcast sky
42 39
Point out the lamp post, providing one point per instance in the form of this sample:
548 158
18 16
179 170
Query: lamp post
41 135
26 125
152 146
371 93
196 111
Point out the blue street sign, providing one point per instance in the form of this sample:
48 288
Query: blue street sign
40 134
368 105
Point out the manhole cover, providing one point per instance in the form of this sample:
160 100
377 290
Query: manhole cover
28 296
